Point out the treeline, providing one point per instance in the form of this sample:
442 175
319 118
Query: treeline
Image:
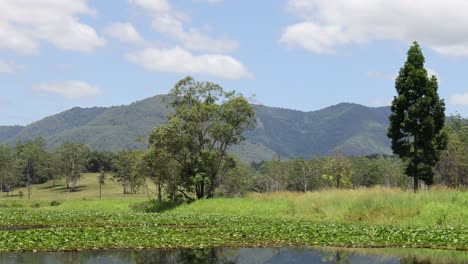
29 162
335 171
339 171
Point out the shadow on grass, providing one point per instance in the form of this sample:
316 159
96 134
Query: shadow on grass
154 206
9 195
63 188
57 187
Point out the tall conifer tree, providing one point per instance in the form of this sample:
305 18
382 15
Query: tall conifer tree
417 119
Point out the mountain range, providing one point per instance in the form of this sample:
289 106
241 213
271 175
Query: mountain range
356 129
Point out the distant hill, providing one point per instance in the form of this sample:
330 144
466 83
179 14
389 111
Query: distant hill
356 129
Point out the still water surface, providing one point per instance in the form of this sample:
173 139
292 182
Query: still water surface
242 255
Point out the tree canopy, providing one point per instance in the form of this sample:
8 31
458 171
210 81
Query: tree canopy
417 119
206 121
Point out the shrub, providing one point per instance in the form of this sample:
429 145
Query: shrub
154 206
55 203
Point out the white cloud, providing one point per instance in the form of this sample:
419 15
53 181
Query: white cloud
180 60
124 32
8 67
192 38
69 89
313 37
382 76
459 99
155 6
25 23
171 23
326 25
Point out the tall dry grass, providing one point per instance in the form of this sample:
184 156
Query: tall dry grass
378 205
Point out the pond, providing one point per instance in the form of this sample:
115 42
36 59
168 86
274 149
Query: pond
242 255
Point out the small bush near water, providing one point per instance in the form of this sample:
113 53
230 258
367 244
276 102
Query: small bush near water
154 206
55 203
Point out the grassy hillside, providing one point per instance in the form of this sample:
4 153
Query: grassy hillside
356 129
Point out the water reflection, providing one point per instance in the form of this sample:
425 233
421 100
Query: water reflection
241 255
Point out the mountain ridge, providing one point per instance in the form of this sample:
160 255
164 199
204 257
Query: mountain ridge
357 129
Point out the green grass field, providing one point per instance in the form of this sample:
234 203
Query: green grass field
376 217
441 207
85 198
444 207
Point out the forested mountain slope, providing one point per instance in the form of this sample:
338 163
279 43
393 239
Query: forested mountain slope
356 129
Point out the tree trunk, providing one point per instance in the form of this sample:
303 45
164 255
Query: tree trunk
159 192
415 168
29 190
100 190
147 190
210 193
1 184
200 190
305 182
415 183
73 176
74 185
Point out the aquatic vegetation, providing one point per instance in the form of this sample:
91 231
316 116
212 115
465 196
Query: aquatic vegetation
73 230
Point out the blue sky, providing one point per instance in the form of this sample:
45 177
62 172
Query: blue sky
299 54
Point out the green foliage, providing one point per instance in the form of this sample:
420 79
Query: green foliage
31 162
162 170
102 177
335 171
126 166
275 175
72 159
100 161
356 129
72 230
55 203
452 169
338 171
206 121
154 206
236 182
370 206
8 170
346 218
9 132
417 119
379 170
